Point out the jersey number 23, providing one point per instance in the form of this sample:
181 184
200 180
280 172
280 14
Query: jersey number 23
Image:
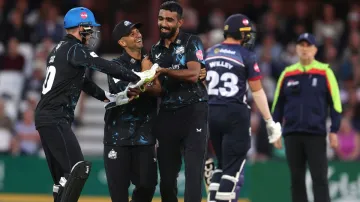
229 87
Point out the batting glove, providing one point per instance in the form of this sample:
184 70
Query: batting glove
273 130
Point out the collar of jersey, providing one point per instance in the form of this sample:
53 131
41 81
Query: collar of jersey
313 64
179 36
125 56
72 37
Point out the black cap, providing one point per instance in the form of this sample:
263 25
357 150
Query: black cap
238 23
124 28
308 38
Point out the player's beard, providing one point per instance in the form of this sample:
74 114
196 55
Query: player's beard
167 35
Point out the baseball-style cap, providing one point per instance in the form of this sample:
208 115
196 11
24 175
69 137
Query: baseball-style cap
238 23
124 28
308 38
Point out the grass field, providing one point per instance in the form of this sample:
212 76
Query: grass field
46 198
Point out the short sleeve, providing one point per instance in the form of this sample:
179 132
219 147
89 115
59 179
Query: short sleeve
144 53
253 70
195 50
151 54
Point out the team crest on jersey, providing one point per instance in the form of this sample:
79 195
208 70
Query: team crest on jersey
199 55
256 67
180 50
216 50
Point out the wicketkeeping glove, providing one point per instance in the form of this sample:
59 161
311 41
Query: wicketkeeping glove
110 97
117 99
273 130
145 76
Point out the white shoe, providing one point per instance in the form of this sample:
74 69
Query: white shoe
145 77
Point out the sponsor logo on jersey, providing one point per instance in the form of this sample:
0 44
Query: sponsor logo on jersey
225 51
292 83
174 67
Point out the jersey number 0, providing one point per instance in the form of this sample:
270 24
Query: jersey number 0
229 88
49 79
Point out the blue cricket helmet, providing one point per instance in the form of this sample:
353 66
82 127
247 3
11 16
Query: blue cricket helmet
79 16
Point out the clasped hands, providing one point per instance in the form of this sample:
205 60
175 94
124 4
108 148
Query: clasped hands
132 91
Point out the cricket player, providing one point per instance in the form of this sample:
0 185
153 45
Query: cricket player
129 146
65 79
181 124
230 65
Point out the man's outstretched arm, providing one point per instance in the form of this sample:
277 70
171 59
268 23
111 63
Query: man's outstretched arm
82 56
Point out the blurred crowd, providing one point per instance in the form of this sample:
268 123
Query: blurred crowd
30 29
